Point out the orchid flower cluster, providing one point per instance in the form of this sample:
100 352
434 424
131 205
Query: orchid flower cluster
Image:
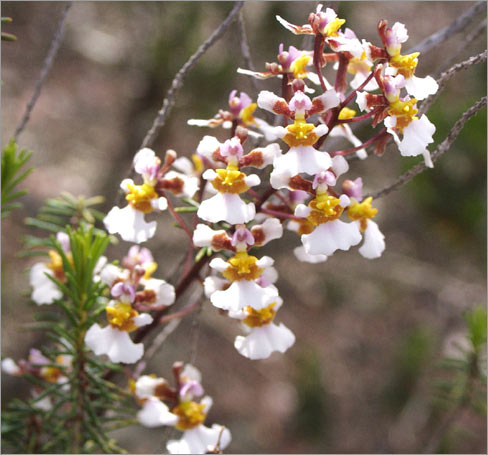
304 190
186 410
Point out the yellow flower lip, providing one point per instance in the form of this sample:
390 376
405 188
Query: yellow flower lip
259 318
120 316
140 196
298 66
325 208
404 111
246 114
405 64
332 27
230 180
362 212
190 415
242 267
300 133
346 113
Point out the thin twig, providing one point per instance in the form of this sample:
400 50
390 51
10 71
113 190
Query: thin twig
441 149
446 75
177 83
195 334
46 67
458 25
475 33
246 53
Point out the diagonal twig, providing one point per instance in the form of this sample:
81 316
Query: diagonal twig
441 149
458 25
46 67
446 75
475 33
246 53
169 101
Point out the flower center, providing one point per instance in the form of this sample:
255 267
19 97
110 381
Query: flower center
362 211
230 180
298 66
56 264
333 26
139 197
404 111
346 113
258 318
242 267
324 208
190 415
246 114
50 374
300 133
120 317
405 64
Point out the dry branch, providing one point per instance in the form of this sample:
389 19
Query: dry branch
46 67
441 149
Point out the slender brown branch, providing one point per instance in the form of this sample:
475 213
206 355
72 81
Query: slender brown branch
46 67
281 214
446 75
178 218
177 83
363 145
246 53
180 314
458 25
475 33
441 149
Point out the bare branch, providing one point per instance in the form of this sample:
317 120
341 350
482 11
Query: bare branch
475 33
46 67
441 149
246 53
177 83
456 26
444 77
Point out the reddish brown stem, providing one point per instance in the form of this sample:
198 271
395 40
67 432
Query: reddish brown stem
281 214
179 314
363 145
178 218
317 52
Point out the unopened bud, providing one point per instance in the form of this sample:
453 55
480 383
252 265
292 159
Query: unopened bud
170 157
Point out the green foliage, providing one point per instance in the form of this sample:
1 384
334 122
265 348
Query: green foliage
86 406
59 212
7 36
13 161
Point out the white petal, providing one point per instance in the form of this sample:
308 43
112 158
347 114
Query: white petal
339 165
252 180
200 439
190 183
272 229
269 153
267 100
302 210
263 341
212 284
110 273
207 146
329 99
114 343
191 373
244 293
400 32
374 241
271 133
226 207
146 386
143 159
155 413
265 262
256 74
124 184
183 164
331 236
142 319
303 159
203 235
159 204
44 291
421 87
344 200
303 256
130 224
165 292
416 136
219 264
10 367
361 101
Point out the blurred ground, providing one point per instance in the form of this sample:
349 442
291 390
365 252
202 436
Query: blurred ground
369 333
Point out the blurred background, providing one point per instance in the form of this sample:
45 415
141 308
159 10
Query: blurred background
370 334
